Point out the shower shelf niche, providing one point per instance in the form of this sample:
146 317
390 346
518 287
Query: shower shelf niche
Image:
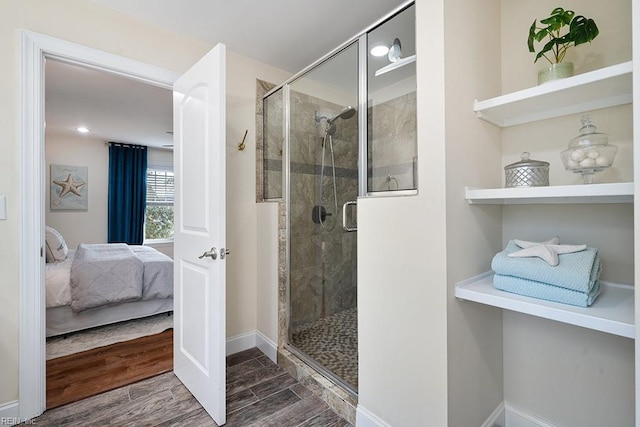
612 312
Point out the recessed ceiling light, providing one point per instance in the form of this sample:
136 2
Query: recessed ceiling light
82 129
380 50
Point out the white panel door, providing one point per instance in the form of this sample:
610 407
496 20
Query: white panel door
199 281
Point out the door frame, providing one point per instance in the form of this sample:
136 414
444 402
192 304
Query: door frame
34 49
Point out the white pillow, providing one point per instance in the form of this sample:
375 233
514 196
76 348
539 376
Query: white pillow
56 246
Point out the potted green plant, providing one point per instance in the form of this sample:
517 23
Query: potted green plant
581 30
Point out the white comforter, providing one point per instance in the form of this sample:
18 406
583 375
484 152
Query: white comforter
158 283
105 274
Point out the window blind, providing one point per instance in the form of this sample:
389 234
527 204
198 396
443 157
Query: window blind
159 187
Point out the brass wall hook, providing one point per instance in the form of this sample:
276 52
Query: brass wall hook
241 145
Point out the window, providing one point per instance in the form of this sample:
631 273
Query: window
159 213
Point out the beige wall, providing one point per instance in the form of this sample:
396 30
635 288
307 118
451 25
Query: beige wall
83 22
571 376
473 232
402 295
612 46
242 210
580 366
82 226
493 355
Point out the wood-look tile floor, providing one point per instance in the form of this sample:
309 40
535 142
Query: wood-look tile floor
259 394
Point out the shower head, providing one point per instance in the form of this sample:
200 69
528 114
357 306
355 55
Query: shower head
345 114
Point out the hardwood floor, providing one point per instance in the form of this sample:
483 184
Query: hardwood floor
259 394
81 375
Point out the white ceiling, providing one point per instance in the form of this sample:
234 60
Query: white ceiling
286 34
114 108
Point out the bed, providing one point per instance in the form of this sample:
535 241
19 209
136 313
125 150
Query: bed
100 284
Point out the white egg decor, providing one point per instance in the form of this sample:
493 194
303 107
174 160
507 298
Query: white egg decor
577 155
589 152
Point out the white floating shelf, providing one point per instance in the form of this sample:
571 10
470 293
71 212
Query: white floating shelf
612 312
606 87
620 192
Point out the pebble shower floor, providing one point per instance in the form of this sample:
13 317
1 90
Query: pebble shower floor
333 342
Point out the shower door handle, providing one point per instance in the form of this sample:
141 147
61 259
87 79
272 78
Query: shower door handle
344 216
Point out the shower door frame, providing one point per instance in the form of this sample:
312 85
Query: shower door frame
286 186
361 39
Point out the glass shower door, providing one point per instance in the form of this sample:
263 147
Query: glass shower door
323 178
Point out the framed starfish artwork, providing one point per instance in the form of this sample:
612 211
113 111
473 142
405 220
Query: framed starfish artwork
69 187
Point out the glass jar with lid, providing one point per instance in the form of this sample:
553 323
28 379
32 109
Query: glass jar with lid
589 152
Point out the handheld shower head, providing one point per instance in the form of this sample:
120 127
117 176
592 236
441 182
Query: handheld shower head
345 114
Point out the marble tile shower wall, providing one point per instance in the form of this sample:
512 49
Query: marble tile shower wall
262 144
393 144
273 145
391 151
323 263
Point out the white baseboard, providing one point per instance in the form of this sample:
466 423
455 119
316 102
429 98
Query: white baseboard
9 414
518 417
508 415
497 417
365 418
267 346
241 342
252 339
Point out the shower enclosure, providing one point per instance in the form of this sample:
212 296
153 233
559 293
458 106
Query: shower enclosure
342 129
323 176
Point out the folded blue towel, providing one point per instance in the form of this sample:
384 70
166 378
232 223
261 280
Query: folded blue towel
539 290
578 271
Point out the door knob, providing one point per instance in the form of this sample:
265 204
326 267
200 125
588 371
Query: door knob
213 253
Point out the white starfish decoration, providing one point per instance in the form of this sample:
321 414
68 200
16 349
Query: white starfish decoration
526 244
69 186
547 251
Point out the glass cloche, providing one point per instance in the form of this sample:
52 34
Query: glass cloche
589 152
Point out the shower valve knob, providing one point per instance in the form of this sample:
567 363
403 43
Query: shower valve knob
319 214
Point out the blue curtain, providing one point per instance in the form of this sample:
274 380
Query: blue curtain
127 193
